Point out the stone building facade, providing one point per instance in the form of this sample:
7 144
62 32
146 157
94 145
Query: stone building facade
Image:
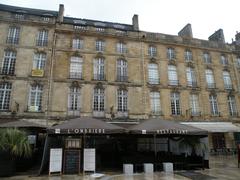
55 68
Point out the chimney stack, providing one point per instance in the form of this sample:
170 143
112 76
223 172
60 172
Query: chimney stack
60 13
217 36
186 31
135 22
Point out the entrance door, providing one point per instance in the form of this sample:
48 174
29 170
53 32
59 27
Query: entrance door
71 162
218 140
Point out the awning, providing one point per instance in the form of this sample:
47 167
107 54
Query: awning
214 126
21 124
86 125
159 126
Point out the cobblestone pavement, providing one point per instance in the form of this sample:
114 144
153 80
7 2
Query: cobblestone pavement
221 168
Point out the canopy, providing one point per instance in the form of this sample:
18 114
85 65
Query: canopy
85 125
21 124
214 126
158 126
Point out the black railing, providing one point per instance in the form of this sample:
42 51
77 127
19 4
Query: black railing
192 83
42 43
122 78
99 77
211 85
12 40
173 82
228 86
75 75
234 114
153 80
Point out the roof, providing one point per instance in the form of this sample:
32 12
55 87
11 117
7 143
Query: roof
214 126
159 126
16 9
86 125
21 124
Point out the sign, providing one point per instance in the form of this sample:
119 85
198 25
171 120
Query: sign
55 162
172 131
72 161
37 72
89 162
85 131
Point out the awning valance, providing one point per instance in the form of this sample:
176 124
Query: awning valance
21 124
214 126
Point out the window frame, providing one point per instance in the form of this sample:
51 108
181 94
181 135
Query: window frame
5 96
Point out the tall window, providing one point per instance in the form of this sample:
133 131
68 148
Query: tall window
9 60
100 45
122 98
77 43
42 39
213 104
191 77
39 61
171 55
152 51
172 75
227 80
74 99
207 58
99 69
76 67
5 94
35 98
121 47
194 104
122 69
13 35
188 56
153 75
175 103
209 78
232 106
155 102
98 99
223 60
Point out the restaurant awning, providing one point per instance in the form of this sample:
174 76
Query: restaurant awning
21 124
159 126
86 125
214 126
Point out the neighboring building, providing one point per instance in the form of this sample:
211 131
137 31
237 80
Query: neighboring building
55 68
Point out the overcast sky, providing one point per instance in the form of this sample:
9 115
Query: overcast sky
163 16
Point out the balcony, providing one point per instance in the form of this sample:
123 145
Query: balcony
42 43
99 77
192 84
7 72
75 75
228 86
122 78
12 40
173 82
211 85
153 81
234 114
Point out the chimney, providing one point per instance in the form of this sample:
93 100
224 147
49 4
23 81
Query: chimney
135 22
186 31
217 36
60 13
237 36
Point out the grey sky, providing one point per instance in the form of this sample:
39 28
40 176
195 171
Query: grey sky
163 16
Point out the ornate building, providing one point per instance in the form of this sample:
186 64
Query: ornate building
55 68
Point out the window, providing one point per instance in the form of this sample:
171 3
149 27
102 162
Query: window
45 19
99 69
98 29
207 58
227 80
232 106
5 94
79 27
191 77
98 99
74 99
100 45
76 67
194 104
171 54
153 77
213 105
188 56
209 78
155 103
223 60
238 62
172 75
39 61
19 16
77 43
152 51
13 35
122 98
175 104
42 39
35 98
9 60
122 69
121 47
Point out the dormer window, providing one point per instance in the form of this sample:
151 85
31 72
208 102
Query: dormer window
19 16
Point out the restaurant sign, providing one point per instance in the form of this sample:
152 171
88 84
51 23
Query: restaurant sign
81 131
172 131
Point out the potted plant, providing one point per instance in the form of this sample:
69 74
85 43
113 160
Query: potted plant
13 144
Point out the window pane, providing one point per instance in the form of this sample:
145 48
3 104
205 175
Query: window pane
9 60
155 102
76 67
153 76
5 94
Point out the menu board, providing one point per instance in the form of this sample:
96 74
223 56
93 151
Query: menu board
89 159
72 162
55 163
